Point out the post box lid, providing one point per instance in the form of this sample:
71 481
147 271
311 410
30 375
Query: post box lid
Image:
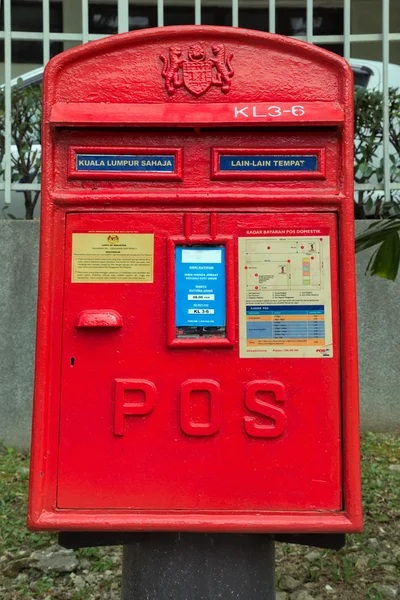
201 75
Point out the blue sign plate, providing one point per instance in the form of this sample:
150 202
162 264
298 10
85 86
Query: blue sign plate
126 163
200 287
265 163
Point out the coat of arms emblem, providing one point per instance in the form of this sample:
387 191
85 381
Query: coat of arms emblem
197 72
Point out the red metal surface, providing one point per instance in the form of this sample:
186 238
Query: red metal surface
184 114
142 431
98 318
158 465
198 148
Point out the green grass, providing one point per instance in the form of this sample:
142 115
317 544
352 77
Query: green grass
13 499
341 570
380 485
381 512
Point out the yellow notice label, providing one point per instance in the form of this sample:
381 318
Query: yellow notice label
112 257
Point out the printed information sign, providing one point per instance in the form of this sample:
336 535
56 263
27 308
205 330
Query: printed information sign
123 163
267 162
200 286
285 293
112 257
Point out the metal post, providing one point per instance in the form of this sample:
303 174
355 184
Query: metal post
272 16
386 99
199 566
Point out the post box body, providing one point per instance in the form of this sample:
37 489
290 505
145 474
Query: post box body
196 363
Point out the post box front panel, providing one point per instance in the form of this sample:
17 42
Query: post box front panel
109 161
242 421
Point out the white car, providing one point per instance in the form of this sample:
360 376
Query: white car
367 74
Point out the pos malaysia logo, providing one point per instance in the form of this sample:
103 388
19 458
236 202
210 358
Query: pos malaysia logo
197 72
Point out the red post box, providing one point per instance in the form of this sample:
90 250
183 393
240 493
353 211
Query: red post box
196 363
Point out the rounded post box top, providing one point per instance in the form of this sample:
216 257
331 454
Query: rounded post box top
197 64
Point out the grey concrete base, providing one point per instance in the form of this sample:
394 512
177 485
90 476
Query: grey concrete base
378 323
19 242
195 566
378 302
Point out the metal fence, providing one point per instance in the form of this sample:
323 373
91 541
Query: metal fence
46 36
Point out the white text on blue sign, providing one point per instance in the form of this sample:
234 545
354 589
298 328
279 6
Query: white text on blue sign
268 162
126 163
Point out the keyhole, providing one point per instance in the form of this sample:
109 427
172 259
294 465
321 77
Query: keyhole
72 361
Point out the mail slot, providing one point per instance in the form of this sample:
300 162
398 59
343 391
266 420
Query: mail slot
196 363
